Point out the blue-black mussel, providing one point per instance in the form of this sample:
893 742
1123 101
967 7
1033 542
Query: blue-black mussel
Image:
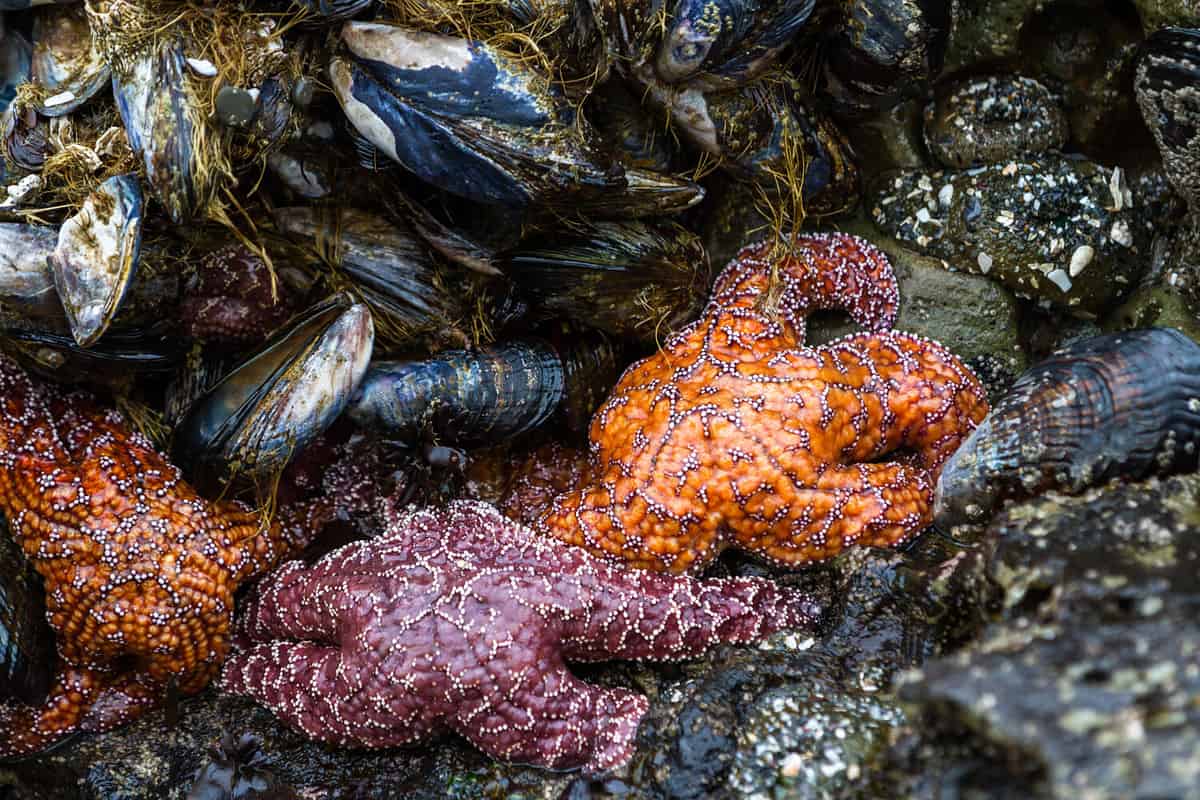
281 397
487 395
466 118
637 279
1120 405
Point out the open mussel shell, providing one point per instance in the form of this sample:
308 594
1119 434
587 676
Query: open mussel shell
97 255
26 641
280 398
637 279
1167 83
66 64
467 119
1121 405
154 106
713 43
483 396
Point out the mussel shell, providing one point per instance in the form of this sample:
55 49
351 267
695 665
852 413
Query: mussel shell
1120 405
65 62
411 112
97 256
280 398
885 50
15 65
118 355
336 9
467 119
477 397
154 105
385 262
26 640
26 282
21 5
715 42
1167 83
25 136
634 131
303 175
756 129
638 279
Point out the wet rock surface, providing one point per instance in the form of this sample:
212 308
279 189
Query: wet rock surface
1087 684
1055 229
158 757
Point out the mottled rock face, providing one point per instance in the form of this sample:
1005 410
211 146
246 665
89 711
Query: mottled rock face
1057 230
1088 682
974 317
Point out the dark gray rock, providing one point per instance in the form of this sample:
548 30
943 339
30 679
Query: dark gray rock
1087 685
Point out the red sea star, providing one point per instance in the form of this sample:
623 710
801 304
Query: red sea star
737 435
139 570
462 619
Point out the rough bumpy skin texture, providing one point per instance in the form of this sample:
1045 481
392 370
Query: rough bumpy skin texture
736 435
461 619
139 570
233 300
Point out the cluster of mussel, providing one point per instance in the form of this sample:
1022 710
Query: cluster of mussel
449 224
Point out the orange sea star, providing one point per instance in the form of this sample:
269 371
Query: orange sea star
736 435
139 570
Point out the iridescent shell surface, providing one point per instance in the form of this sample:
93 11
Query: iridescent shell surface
1121 405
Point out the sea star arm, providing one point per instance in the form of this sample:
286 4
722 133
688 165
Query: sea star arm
880 505
553 718
29 729
639 615
292 603
296 680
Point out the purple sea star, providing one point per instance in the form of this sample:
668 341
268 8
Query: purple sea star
462 619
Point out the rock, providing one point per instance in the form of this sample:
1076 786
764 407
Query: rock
1085 52
1087 685
897 610
157 760
987 30
1056 229
890 139
1157 14
973 316
810 719
1160 306
762 724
